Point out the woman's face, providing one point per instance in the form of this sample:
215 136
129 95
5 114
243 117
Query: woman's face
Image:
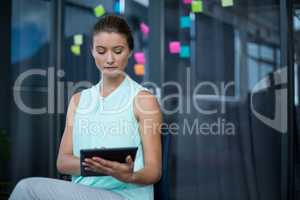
111 53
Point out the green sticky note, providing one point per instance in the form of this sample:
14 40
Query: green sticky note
99 11
75 49
184 51
197 6
226 3
78 39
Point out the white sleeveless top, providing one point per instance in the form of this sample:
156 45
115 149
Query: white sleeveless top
110 122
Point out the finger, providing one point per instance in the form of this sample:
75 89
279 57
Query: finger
88 165
97 166
87 169
88 162
93 161
105 169
130 162
113 166
129 159
107 163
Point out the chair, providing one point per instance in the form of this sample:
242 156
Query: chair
162 188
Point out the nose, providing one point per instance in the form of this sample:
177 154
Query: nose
110 58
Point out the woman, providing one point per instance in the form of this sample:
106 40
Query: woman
117 112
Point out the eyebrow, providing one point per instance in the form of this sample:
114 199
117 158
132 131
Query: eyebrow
118 46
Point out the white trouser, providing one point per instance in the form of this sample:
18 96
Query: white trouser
55 189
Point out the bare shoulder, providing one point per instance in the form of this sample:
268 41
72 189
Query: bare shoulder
72 107
146 104
74 100
76 97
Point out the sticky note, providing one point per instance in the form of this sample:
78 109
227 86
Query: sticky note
99 11
197 6
117 7
187 1
75 49
184 51
185 22
174 47
144 29
226 3
78 39
139 57
139 69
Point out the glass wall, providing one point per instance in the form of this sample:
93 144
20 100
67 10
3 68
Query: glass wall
30 71
233 115
296 43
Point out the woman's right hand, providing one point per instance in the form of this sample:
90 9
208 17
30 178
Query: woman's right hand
121 171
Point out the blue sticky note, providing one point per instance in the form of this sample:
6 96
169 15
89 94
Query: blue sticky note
185 22
184 51
117 7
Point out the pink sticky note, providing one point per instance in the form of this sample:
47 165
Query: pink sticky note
139 57
144 28
174 47
187 1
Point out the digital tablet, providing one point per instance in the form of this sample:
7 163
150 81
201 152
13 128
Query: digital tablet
113 154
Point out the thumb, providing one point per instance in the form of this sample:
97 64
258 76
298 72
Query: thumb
129 160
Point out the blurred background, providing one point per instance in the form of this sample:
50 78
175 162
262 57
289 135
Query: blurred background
239 58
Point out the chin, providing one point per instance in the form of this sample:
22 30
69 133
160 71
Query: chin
113 74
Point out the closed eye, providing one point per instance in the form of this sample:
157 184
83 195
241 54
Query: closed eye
118 52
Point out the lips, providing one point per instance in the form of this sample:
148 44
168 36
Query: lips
110 67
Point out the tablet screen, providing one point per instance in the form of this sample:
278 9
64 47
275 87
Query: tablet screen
113 154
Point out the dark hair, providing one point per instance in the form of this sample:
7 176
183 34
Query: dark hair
116 24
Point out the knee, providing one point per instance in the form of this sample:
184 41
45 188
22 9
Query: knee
26 183
23 188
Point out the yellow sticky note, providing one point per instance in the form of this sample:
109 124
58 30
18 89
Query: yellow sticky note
99 11
75 49
78 39
139 69
226 3
197 6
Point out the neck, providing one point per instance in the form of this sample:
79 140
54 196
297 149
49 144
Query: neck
110 83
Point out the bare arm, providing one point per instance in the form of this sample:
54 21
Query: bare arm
149 116
67 163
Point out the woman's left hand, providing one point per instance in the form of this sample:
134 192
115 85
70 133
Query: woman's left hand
121 171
